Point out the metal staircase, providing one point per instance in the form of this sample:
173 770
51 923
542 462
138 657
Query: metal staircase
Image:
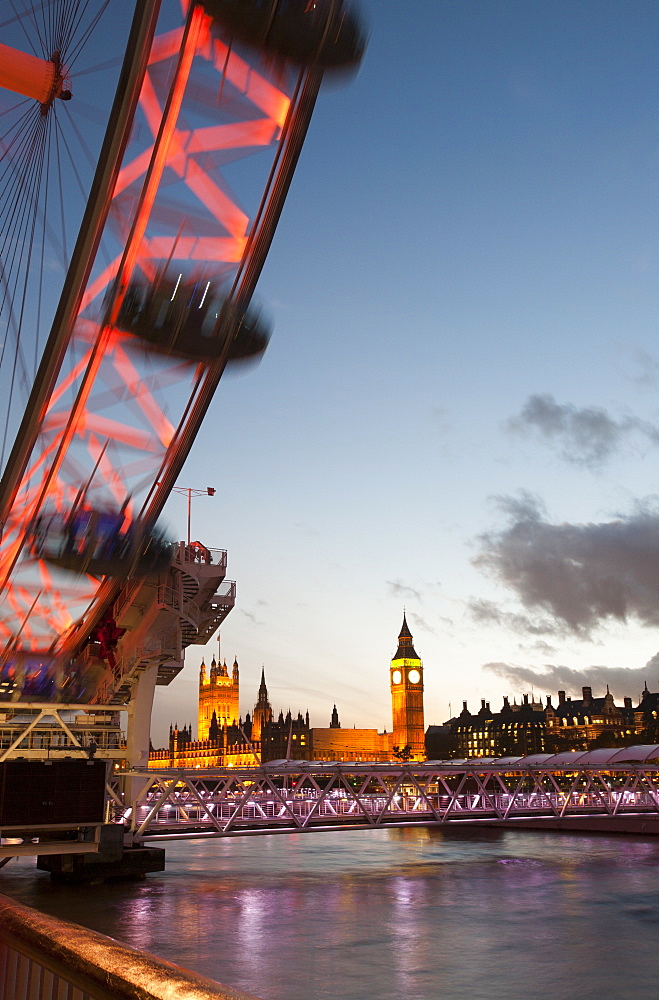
183 607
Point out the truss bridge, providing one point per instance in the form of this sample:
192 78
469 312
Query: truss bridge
615 790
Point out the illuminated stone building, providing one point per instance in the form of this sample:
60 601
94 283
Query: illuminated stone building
646 716
578 724
473 738
518 730
287 738
531 727
219 696
406 682
262 710
350 744
229 748
225 739
515 731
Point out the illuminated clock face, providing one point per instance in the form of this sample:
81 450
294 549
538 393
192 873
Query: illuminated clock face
414 677
396 677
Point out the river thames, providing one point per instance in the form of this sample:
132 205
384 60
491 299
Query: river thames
399 914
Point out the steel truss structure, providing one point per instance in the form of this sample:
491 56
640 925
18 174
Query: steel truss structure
108 419
50 731
293 795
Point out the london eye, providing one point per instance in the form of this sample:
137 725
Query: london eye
103 387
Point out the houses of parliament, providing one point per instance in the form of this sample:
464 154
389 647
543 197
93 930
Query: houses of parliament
226 739
530 727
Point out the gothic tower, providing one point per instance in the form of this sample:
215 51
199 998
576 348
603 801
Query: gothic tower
406 680
262 710
219 693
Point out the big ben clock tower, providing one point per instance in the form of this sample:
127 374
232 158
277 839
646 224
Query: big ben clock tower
406 679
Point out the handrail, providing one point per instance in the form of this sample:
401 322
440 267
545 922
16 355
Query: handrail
96 966
200 554
170 598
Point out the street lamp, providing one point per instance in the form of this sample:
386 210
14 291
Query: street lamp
190 493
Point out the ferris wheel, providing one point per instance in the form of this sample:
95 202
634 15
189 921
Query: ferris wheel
175 191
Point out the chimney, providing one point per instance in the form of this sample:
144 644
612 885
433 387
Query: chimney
506 703
549 704
483 703
587 693
526 699
628 703
561 697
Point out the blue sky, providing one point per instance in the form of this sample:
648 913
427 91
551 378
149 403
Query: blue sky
464 284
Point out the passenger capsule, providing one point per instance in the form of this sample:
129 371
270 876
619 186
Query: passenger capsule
45 676
326 33
30 676
251 337
189 319
99 542
172 317
185 318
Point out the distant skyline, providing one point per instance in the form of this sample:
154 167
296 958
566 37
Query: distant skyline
458 409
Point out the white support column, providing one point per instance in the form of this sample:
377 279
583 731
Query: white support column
139 730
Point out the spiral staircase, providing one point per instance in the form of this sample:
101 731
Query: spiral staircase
182 607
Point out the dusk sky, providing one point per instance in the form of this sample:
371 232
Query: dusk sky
458 410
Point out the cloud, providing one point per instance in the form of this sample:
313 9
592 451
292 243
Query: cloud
441 417
622 681
251 617
581 574
489 613
307 529
587 436
542 647
419 623
648 370
399 589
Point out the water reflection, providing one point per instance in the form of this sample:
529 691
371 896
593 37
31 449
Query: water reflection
413 914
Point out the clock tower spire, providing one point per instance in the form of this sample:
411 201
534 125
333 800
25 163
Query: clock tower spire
406 680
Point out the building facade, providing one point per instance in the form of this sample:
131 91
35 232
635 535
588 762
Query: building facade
219 697
336 743
531 727
581 723
226 739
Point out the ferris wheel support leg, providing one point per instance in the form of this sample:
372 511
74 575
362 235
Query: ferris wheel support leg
139 731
